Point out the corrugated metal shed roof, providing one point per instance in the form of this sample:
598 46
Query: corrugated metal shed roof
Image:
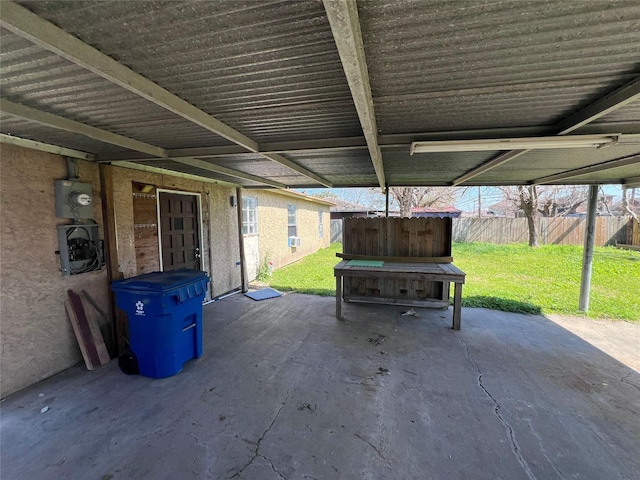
271 71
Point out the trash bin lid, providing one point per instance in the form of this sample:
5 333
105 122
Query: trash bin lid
161 282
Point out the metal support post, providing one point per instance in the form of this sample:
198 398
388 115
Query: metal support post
589 240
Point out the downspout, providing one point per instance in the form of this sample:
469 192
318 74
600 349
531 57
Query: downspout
209 249
244 285
587 258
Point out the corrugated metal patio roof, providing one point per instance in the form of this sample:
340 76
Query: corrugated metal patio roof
311 93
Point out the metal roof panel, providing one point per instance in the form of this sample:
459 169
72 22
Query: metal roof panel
238 61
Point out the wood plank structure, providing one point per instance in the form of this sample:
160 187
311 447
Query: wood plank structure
145 219
633 237
635 234
92 346
395 242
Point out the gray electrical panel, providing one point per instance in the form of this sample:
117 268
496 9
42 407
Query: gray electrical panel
73 199
80 248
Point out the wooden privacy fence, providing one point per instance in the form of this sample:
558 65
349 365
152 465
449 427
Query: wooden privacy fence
551 230
634 236
336 230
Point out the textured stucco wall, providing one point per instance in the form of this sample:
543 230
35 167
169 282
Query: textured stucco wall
252 254
225 243
272 227
220 248
36 336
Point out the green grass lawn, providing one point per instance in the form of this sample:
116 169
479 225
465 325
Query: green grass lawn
511 278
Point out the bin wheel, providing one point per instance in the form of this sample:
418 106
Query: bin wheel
128 363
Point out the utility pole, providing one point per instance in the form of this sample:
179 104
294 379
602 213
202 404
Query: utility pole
479 204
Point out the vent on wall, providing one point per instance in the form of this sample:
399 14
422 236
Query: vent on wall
294 241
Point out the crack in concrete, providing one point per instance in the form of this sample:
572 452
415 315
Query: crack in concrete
321 367
514 444
206 446
624 380
372 446
543 450
257 453
276 471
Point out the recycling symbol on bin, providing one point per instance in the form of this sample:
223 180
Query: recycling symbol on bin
139 308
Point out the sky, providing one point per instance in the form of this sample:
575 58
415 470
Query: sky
490 195
467 202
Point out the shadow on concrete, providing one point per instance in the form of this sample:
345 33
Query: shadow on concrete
502 304
285 391
322 292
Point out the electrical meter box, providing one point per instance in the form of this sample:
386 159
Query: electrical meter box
80 248
73 199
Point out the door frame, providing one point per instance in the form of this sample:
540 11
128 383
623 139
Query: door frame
200 226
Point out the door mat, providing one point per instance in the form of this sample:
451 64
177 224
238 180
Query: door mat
263 294
366 263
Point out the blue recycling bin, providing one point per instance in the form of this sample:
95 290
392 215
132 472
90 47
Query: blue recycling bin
164 310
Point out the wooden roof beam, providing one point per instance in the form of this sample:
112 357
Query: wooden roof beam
345 26
607 104
632 182
349 143
599 167
72 126
45 147
55 121
203 165
28 25
297 168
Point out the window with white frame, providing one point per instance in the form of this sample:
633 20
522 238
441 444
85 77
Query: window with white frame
320 224
249 215
292 224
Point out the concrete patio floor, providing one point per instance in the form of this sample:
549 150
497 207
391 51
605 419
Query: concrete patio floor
284 391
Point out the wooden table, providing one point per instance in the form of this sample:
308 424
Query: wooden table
433 272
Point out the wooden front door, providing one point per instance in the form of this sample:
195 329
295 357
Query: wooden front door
180 231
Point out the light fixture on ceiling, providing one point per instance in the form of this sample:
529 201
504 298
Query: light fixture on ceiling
530 143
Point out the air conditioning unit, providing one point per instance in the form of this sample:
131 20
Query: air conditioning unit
294 241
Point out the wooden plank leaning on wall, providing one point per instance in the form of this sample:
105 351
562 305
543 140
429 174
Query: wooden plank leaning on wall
111 254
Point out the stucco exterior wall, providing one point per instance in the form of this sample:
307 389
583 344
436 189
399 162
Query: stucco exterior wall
36 336
35 333
220 247
272 227
252 255
224 249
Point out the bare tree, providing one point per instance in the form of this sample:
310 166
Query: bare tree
371 198
529 202
560 201
408 197
552 201
625 205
